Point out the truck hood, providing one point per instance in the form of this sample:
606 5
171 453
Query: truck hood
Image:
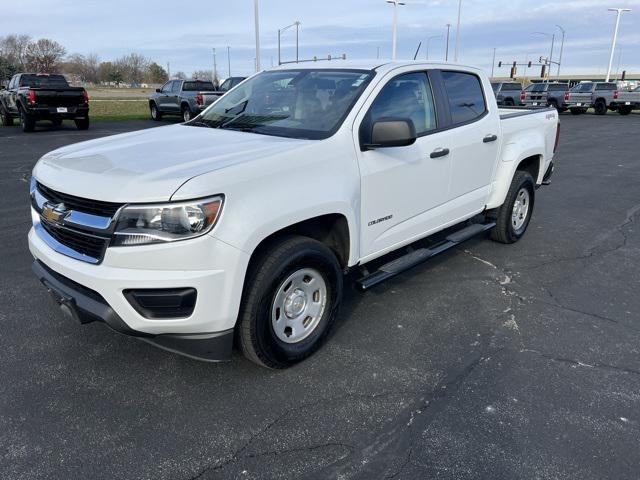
150 165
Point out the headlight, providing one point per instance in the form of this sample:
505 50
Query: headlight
168 222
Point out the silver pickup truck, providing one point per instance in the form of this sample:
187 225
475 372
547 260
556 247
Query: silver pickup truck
508 94
627 101
599 95
550 94
228 84
181 97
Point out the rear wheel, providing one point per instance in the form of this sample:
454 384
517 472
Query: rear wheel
290 302
27 122
82 123
512 218
554 104
186 113
626 110
5 117
600 107
155 113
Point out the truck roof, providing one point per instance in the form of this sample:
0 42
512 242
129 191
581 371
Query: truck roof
375 64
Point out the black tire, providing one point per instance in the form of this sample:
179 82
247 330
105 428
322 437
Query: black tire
504 231
509 102
187 114
5 117
626 110
56 122
266 275
576 111
155 113
27 122
82 123
600 107
554 104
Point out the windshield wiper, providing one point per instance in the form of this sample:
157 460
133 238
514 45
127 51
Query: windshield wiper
199 124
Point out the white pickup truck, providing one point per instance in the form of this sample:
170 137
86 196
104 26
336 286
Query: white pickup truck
241 223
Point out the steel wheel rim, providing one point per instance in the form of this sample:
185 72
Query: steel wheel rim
298 305
154 111
520 209
186 115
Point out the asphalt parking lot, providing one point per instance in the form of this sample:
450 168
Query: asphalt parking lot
492 361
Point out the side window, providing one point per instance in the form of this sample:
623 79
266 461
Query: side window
406 96
466 99
166 88
226 85
177 84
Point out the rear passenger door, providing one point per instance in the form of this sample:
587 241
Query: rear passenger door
475 147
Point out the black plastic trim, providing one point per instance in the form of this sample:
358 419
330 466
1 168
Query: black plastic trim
159 303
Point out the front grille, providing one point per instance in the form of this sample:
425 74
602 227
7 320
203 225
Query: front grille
84 243
94 207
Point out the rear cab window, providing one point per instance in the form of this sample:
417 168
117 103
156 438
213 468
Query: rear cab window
197 86
606 86
512 86
43 81
465 95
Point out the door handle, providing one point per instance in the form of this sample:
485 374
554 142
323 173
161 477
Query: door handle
490 138
439 152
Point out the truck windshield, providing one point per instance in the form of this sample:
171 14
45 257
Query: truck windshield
309 104
43 81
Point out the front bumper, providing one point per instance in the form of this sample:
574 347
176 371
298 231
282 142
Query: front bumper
211 267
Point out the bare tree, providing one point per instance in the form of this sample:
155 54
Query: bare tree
134 67
14 48
44 55
180 75
202 74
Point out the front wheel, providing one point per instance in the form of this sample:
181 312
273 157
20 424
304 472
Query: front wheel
290 302
187 115
626 110
155 113
82 123
512 218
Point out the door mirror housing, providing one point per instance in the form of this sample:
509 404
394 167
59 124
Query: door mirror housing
158 90
396 132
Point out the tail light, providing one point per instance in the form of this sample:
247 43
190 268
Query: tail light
31 97
522 95
615 95
567 96
557 142
199 99
85 96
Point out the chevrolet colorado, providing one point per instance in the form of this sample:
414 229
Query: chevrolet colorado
31 97
186 98
240 223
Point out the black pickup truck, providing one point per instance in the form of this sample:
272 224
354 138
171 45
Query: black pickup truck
31 97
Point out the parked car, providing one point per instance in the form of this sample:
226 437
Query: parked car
186 98
598 95
627 101
507 93
31 97
228 84
551 94
242 222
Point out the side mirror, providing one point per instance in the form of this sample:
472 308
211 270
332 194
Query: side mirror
158 90
392 133
2 87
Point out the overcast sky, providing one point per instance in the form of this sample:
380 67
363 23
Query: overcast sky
184 32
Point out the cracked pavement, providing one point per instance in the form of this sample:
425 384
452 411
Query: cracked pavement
490 361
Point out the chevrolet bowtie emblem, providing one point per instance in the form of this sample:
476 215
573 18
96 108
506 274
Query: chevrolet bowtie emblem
54 212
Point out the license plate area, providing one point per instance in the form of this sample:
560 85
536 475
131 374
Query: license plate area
62 110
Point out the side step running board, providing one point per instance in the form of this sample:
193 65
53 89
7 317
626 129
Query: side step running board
421 255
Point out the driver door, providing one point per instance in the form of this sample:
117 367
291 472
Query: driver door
404 190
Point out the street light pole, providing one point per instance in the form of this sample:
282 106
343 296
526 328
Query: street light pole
256 12
615 36
229 59
493 62
395 4
215 67
561 49
429 41
294 24
446 55
553 39
455 58
297 43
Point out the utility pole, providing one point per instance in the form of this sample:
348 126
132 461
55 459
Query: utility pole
297 43
229 59
561 49
429 41
446 55
168 70
395 4
615 36
455 58
493 62
256 9
378 54
215 68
